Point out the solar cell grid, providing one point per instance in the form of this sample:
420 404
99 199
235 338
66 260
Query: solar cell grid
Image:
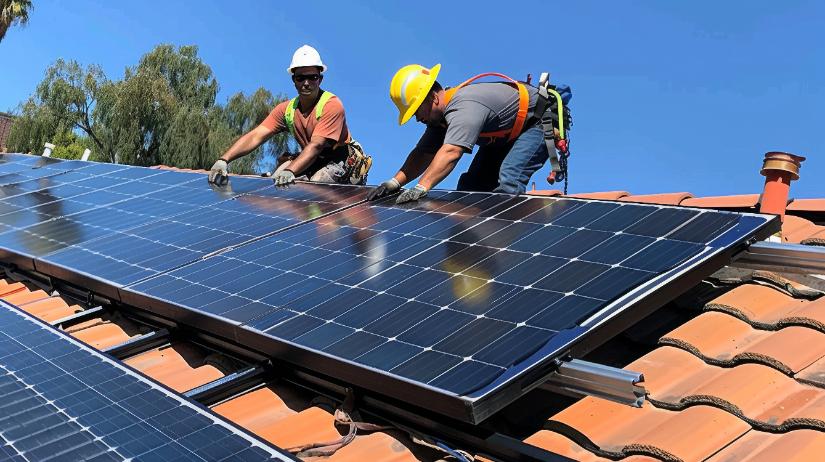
443 281
457 295
64 400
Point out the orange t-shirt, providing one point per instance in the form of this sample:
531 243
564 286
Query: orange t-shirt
332 124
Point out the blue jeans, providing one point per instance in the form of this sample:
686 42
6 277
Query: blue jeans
506 167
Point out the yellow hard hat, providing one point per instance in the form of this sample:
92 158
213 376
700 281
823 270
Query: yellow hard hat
409 86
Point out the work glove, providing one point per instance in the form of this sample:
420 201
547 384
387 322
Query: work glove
283 178
413 194
387 187
218 174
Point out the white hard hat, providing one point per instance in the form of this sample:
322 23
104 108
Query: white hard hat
306 56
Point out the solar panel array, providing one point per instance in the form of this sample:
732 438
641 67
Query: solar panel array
64 401
455 303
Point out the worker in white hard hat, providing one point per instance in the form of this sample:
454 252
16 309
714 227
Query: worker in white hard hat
316 120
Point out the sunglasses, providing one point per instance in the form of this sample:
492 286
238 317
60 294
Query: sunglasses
305 77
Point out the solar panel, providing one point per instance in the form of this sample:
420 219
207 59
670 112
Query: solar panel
104 226
459 303
64 401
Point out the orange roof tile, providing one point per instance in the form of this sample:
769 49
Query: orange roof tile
723 202
666 198
807 205
799 445
179 366
607 195
721 339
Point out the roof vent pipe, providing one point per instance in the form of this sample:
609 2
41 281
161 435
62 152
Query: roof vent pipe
779 169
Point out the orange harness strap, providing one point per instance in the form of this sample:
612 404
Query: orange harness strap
521 115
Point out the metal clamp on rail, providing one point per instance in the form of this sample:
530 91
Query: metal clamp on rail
579 378
782 258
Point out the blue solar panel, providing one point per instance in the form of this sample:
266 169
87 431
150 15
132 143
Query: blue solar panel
467 296
64 401
459 303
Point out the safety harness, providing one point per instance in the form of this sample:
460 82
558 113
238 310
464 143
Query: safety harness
358 163
555 138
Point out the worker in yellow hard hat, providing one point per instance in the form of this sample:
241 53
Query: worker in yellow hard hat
506 119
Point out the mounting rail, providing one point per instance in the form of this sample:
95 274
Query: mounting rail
579 378
782 258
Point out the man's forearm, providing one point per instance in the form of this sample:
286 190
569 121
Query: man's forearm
307 156
442 164
245 144
417 161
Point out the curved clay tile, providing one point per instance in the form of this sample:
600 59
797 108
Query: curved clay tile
807 205
607 195
760 395
544 192
799 445
796 230
740 201
618 430
724 340
767 308
664 199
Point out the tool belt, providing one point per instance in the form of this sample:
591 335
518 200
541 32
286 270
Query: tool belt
358 163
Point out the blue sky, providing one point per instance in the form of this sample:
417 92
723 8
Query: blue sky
668 96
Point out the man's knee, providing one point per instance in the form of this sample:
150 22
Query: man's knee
330 173
510 185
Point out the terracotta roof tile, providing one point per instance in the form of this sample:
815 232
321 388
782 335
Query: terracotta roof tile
179 366
24 296
723 340
723 202
798 445
760 394
768 308
9 287
807 205
694 433
796 230
545 192
48 308
607 195
666 198
100 335
813 374
560 444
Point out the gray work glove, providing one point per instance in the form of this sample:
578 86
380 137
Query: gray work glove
219 174
283 178
411 194
387 187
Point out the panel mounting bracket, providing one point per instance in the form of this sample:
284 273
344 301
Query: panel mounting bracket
579 378
782 258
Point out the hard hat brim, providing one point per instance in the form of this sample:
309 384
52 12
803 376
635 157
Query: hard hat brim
405 116
322 66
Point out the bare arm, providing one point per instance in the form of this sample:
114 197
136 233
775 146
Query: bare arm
247 143
442 164
310 152
417 161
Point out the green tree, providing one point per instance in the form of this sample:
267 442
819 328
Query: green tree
64 101
241 114
13 12
163 111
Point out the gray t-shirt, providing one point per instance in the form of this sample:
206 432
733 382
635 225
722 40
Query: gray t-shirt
475 109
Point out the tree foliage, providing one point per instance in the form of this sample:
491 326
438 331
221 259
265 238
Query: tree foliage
13 12
163 111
